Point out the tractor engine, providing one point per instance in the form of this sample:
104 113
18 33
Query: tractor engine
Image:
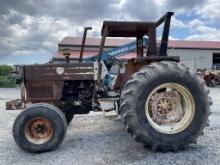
77 97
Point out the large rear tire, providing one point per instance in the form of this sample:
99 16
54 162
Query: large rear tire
165 106
39 128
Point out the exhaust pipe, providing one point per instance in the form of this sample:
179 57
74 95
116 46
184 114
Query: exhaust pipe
83 42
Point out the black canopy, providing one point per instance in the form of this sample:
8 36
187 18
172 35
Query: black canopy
126 29
130 29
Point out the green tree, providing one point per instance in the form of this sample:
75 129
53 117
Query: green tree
5 81
5 70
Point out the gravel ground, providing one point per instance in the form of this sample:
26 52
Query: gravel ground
95 139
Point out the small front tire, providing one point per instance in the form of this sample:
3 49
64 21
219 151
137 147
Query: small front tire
39 128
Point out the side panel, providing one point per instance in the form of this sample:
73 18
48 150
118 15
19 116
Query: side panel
59 72
44 90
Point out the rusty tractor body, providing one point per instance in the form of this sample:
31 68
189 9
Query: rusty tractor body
156 96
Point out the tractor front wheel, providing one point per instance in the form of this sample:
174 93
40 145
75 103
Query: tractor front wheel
39 128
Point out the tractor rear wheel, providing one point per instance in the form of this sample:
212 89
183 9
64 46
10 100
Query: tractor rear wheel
165 106
39 128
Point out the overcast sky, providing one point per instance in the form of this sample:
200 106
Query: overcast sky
31 29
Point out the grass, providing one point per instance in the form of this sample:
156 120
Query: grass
6 82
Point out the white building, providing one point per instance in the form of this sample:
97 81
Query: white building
194 54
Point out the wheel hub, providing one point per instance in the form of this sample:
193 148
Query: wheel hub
170 108
39 130
166 107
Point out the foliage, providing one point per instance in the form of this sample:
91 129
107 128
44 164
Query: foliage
5 81
5 70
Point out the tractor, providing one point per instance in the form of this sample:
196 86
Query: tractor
163 104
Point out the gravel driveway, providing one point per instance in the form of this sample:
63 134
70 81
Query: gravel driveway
95 139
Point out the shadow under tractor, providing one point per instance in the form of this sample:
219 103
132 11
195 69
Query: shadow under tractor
162 103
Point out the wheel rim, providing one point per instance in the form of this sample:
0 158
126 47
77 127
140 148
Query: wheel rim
39 130
170 108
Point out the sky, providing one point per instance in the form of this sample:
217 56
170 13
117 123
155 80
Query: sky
31 29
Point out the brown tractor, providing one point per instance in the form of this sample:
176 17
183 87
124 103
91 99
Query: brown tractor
162 103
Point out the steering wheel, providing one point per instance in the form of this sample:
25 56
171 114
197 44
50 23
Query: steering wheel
115 60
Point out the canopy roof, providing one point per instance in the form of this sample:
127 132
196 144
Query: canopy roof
130 29
126 29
